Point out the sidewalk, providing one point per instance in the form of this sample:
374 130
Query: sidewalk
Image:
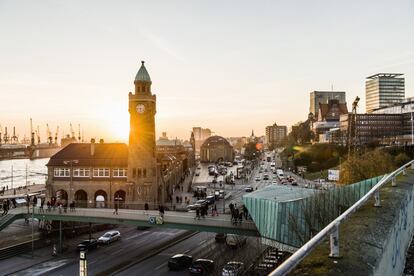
23 190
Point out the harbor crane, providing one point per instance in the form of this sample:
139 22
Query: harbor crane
14 139
71 131
49 134
6 136
38 134
79 134
56 135
32 134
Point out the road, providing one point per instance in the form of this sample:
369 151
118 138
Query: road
201 245
134 244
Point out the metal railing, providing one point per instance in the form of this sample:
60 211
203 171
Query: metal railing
333 228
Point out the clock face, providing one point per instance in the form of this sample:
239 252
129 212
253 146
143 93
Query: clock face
140 108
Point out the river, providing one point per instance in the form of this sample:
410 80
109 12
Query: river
36 172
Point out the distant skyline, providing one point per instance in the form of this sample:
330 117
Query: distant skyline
230 66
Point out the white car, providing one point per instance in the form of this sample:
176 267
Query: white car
109 237
258 178
274 181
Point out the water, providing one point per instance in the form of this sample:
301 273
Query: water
36 172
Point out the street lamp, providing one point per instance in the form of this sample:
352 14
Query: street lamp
71 162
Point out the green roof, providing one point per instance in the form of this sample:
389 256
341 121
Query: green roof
142 74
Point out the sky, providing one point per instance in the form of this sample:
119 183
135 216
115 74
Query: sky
232 66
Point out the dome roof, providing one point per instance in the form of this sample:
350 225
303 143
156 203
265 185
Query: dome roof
142 74
215 140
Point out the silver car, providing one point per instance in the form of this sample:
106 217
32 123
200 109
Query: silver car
109 237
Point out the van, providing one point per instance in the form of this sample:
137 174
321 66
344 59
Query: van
235 240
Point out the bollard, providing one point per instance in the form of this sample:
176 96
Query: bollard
377 199
334 242
394 181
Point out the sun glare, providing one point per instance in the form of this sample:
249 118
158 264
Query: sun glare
118 126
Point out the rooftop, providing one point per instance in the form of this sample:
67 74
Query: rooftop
385 75
142 74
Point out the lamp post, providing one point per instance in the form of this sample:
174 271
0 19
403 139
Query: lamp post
71 162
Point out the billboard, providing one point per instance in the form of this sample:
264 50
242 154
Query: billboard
333 175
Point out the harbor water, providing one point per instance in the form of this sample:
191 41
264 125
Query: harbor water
20 172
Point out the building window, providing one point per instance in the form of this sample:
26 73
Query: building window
101 172
61 172
81 172
144 172
139 173
119 172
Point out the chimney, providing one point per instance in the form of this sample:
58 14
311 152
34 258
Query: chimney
101 141
92 146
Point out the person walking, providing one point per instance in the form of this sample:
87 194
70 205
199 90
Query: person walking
34 201
161 209
42 203
5 208
236 215
197 213
215 210
48 206
116 208
240 217
146 208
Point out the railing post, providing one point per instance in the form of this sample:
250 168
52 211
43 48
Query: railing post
377 198
412 165
394 181
404 172
334 241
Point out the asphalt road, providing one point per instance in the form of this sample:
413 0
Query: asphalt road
201 245
133 243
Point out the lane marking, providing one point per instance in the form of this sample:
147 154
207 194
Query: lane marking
161 265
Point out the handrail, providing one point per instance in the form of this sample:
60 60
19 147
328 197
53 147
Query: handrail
332 228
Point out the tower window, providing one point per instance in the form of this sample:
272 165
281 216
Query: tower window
134 173
144 172
139 173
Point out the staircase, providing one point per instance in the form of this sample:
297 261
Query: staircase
9 218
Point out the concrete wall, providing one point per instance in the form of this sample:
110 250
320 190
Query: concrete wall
399 238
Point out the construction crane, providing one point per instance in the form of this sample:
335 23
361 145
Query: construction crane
56 135
32 134
352 130
49 134
38 135
71 131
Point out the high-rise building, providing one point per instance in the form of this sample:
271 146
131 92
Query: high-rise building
384 89
142 163
275 134
317 97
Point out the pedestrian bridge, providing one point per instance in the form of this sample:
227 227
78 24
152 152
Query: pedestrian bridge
172 219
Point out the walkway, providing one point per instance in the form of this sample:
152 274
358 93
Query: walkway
177 220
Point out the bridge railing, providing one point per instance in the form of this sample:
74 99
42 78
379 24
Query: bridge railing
333 228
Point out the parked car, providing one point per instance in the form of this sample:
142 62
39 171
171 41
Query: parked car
274 181
257 178
266 177
220 237
180 262
109 237
202 267
233 268
214 181
248 189
87 245
197 173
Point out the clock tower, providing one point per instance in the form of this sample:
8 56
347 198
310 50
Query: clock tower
142 164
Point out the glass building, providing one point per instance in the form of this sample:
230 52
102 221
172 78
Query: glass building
384 89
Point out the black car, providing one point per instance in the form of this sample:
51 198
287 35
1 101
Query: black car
180 262
202 267
87 245
220 237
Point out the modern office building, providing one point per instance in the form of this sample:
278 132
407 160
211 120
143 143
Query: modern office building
328 119
369 127
275 134
317 97
384 89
